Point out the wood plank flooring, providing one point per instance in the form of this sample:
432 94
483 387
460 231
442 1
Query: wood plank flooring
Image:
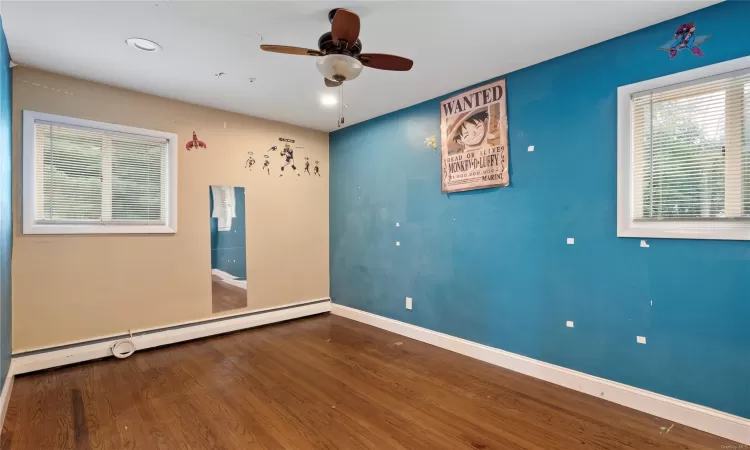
226 297
320 382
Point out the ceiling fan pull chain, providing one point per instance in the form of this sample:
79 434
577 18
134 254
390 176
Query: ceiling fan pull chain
341 105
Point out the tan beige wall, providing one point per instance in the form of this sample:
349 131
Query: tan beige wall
69 288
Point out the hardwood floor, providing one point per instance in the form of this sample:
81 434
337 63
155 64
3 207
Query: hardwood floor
319 382
226 297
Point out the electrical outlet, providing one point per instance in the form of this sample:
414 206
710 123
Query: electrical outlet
571 241
569 324
640 339
408 302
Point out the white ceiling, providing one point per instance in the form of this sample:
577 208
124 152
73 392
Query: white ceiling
453 44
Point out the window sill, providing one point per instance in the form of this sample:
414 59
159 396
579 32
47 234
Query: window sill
681 230
97 229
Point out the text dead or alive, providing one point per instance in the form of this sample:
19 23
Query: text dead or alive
458 165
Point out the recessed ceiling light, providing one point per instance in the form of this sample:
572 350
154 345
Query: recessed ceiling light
144 45
328 100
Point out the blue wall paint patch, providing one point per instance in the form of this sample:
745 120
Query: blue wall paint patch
493 266
6 229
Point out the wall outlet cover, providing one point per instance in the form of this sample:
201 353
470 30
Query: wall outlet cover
569 324
640 339
571 241
408 303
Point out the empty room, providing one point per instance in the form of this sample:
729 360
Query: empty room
374 225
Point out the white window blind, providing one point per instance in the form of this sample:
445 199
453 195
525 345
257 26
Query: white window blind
87 175
82 176
691 150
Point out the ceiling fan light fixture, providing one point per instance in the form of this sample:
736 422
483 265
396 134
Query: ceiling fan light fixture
339 67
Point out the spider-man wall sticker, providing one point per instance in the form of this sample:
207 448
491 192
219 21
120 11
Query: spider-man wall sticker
684 39
195 144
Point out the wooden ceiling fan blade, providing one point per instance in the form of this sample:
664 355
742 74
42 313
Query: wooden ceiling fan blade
331 83
384 61
290 50
345 27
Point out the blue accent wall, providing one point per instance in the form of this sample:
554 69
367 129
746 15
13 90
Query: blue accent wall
492 266
228 248
6 232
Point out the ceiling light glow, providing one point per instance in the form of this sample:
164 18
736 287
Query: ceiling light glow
328 100
144 45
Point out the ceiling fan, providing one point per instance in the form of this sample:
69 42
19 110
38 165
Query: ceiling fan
340 58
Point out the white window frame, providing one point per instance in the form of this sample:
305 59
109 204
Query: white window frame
672 229
31 226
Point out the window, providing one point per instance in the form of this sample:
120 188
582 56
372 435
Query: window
684 154
82 176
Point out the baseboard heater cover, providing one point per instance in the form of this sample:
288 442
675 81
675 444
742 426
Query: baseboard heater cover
102 348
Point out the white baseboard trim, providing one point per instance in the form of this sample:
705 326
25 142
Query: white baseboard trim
85 352
700 417
5 394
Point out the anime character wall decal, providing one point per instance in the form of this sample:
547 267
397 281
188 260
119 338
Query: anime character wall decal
684 39
250 162
288 154
267 164
316 169
195 143
307 165
431 141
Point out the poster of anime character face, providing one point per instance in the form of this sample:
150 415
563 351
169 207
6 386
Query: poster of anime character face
474 147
